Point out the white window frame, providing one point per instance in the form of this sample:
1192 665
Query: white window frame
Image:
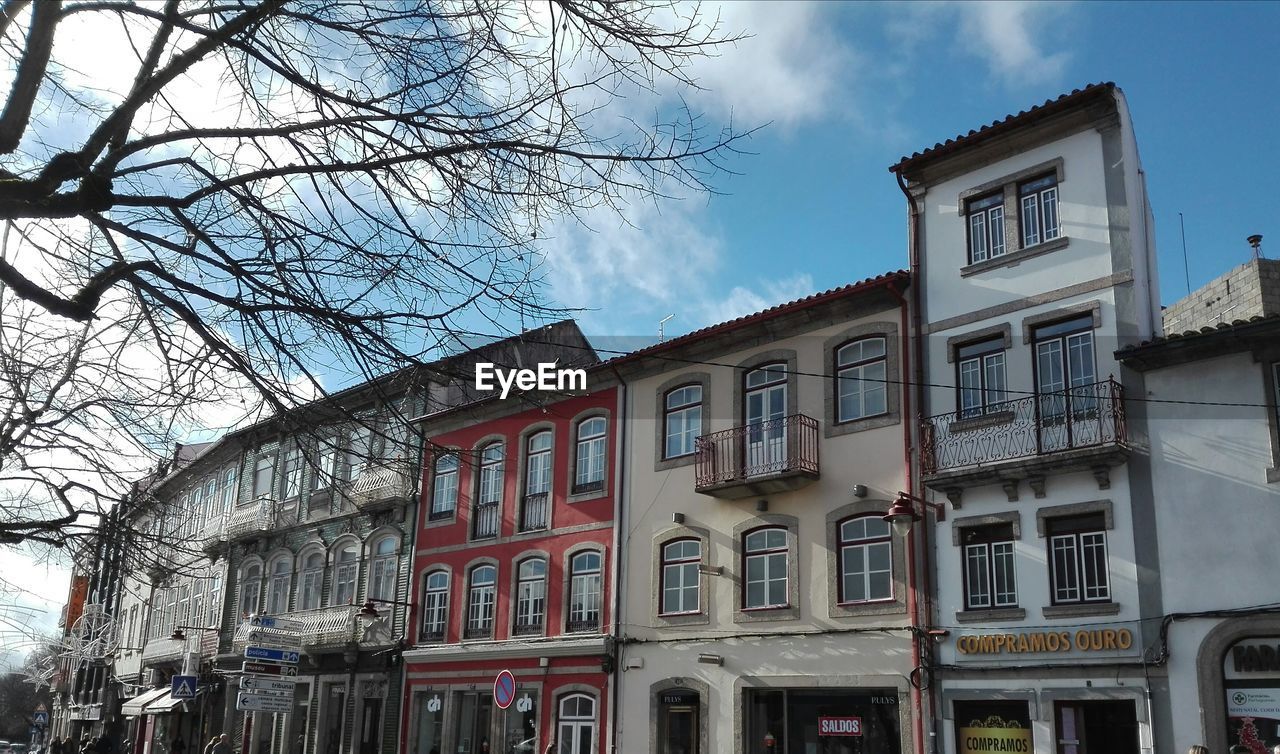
983 562
863 545
278 582
586 592
346 575
1076 546
862 376
681 577
444 487
981 378
589 455
383 571
769 555
531 596
682 420
435 606
984 222
481 603
250 589
311 584
1039 212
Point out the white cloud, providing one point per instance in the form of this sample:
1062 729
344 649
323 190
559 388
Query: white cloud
741 301
1009 37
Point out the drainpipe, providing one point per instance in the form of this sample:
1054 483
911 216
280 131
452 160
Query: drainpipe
620 466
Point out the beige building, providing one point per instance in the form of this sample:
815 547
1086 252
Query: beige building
764 600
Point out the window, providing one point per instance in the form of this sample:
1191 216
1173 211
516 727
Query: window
682 420
444 490
765 566
278 587
358 451
1275 383
866 560
531 596
584 592
312 581
680 579
986 227
989 580
435 606
228 488
184 606
293 473
981 377
1066 378
765 407
860 379
346 567
382 570
485 518
326 464
480 603
535 506
211 497
1038 200
263 476
589 474
193 512
250 588
213 602
1078 559
576 726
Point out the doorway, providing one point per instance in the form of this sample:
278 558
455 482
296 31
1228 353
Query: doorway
1096 727
474 722
678 722
766 412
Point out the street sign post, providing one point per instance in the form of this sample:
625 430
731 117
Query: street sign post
260 703
267 692
257 668
275 639
183 687
275 656
504 689
282 624
40 719
259 683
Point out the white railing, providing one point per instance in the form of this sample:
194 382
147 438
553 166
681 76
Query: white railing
256 516
214 531
381 482
321 627
163 649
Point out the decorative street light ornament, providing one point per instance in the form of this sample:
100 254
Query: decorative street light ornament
93 637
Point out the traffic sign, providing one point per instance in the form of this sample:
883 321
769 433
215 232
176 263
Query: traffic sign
283 624
41 708
40 719
275 639
504 689
258 668
268 692
258 683
183 687
278 656
258 703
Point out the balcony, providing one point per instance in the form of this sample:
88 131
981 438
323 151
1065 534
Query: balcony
1080 429
214 533
478 632
163 649
484 524
764 458
383 485
322 628
431 635
250 519
533 512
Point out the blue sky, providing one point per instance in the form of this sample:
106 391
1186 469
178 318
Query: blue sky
851 88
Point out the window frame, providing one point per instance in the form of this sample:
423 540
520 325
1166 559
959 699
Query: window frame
309 577
470 630
600 443
584 576
383 565
433 514
843 545
986 538
985 206
1026 190
250 573
841 367
766 552
665 562
278 577
1074 528
441 609
490 483
528 628
682 410
979 352
338 566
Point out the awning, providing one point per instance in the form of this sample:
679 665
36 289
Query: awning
167 703
134 706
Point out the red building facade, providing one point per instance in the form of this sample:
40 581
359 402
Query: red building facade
513 571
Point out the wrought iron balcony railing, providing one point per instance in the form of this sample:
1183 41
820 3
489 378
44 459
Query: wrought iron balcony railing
252 518
478 632
531 627
382 484
484 524
744 456
432 635
533 512
582 626
1086 416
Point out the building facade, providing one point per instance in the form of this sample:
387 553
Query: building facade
1215 467
1033 259
514 571
766 605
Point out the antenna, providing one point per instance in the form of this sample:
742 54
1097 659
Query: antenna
662 326
1255 241
1186 268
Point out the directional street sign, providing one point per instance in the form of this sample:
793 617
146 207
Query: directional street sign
258 668
183 687
283 624
258 683
258 703
275 639
278 656
270 693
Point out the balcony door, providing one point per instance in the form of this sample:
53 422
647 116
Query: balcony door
765 450
1066 380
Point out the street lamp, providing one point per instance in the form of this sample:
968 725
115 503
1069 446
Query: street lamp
369 611
902 514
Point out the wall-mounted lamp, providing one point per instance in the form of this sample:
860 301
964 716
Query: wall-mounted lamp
369 611
903 513
544 662
711 570
859 490
677 518
937 634
709 659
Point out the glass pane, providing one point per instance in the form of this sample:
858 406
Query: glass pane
977 237
1049 209
996 221
1030 221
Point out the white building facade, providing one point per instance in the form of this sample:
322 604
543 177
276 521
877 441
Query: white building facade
1032 259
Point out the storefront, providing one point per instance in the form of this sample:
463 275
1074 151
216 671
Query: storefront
822 721
1251 685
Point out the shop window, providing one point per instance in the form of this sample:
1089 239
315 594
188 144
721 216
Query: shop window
428 733
520 729
1078 559
984 726
1097 727
866 560
828 720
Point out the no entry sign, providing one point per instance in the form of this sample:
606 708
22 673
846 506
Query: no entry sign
504 689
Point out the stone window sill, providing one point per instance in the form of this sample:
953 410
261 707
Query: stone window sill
1014 258
1082 610
998 614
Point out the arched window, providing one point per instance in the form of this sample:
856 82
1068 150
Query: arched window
228 488
484 517
589 457
435 605
764 554
312 581
346 568
480 600
531 596
682 420
444 490
382 569
576 731
213 602
535 506
584 592
866 559
860 379
680 580
250 589
278 587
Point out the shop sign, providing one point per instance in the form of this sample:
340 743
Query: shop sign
679 697
1253 658
1104 641
993 727
839 726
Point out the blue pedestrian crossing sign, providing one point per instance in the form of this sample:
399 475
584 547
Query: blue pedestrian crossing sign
40 719
183 687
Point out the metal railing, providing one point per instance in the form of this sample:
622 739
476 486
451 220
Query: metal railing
214 531
1081 417
533 512
256 516
431 636
527 627
321 627
381 482
163 649
760 449
484 520
478 632
582 626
